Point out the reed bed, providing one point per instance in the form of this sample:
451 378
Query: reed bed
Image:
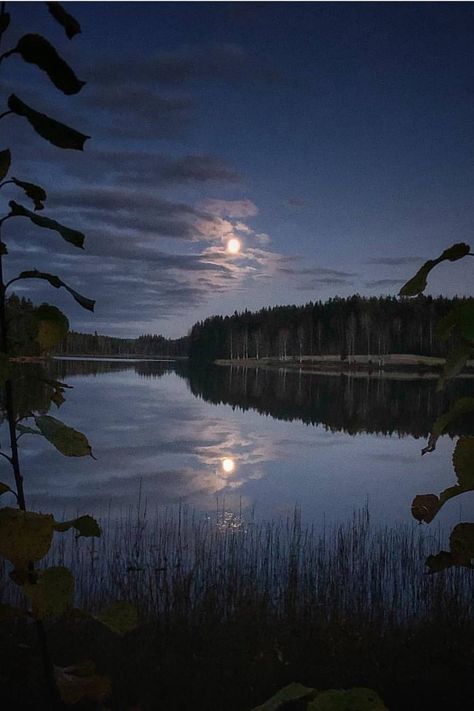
182 565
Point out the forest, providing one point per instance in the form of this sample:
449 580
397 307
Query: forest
340 326
25 318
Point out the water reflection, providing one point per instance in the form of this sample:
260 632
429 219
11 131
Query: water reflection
194 436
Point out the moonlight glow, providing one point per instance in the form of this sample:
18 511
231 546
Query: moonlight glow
228 465
233 246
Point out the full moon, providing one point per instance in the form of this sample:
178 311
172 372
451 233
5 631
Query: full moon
233 246
228 465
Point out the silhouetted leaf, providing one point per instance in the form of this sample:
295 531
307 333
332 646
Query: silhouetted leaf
81 682
460 319
24 536
52 593
5 160
462 406
48 128
4 22
58 389
120 617
426 506
4 488
53 326
357 699
461 542
417 284
461 553
57 283
85 526
23 429
440 561
291 692
73 236
67 440
455 363
70 24
35 49
34 192
5 368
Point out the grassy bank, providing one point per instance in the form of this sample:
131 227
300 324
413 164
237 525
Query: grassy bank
390 363
232 610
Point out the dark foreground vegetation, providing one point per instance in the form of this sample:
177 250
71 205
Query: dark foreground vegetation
233 610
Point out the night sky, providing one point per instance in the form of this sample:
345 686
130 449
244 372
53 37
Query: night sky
334 140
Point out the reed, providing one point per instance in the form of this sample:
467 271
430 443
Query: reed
178 564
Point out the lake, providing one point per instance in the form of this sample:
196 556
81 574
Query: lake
247 442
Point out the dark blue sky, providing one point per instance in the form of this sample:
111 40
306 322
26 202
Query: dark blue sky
335 140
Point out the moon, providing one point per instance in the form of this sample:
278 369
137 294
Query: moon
228 465
233 245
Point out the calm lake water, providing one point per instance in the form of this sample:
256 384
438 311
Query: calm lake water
240 439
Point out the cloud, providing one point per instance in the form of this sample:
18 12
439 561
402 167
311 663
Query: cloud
376 283
394 261
200 168
230 208
327 281
218 62
138 111
317 272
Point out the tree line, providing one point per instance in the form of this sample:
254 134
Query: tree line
343 327
24 322
340 326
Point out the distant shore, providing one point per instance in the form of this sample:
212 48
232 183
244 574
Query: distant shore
391 363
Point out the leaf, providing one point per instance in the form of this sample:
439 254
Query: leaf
73 236
4 488
35 49
462 406
85 526
417 284
455 363
24 536
52 593
291 692
426 506
120 617
461 542
4 22
70 24
53 326
58 388
5 160
48 128
460 319
23 429
34 192
67 440
57 283
5 368
440 561
81 682
357 699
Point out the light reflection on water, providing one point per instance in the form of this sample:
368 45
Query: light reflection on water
167 429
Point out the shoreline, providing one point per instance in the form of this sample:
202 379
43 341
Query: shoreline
390 365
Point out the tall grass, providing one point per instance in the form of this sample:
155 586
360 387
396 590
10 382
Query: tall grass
180 565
